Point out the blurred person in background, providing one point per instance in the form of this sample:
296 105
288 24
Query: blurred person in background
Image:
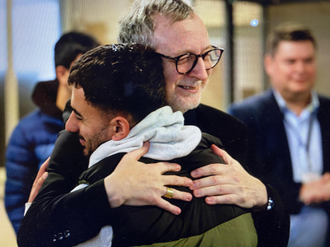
32 141
289 133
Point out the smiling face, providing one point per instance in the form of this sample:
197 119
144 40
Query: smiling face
183 92
292 69
91 124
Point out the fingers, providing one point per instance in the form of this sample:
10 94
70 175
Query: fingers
137 154
43 168
39 180
168 167
224 199
179 195
168 207
222 189
36 186
211 181
226 194
41 171
228 184
173 180
212 169
326 177
144 184
223 154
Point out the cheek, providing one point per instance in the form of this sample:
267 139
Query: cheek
312 71
169 90
171 80
209 72
282 72
85 131
170 74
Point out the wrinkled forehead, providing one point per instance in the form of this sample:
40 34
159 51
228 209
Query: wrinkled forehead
174 39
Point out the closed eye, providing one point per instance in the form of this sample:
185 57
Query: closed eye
78 117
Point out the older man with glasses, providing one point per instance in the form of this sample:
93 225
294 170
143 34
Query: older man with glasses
173 29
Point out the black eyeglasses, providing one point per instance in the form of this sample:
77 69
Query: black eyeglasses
187 62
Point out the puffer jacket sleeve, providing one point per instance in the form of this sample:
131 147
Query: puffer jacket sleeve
31 143
21 169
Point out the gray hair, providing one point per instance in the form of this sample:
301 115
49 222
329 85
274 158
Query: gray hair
138 26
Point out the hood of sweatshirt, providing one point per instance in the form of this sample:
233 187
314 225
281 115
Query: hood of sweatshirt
44 96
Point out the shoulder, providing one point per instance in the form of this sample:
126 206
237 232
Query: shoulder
207 113
324 110
36 127
253 103
37 118
324 101
219 123
27 123
207 140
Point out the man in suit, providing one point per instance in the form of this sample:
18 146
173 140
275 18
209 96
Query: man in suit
289 132
175 31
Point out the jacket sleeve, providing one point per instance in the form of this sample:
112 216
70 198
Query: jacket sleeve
273 226
58 217
21 169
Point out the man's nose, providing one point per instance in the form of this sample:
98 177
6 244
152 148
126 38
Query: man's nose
72 125
199 70
300 67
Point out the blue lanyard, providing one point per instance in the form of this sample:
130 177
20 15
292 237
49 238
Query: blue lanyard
311 118
309 136
310 126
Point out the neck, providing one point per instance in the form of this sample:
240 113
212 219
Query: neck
63 95
297 103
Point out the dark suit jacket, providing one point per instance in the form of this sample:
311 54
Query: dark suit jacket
60 219
268 149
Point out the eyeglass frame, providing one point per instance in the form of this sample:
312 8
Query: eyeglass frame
176 59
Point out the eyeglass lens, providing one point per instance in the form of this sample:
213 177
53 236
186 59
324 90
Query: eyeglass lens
187 62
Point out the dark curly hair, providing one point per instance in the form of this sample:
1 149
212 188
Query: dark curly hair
121 78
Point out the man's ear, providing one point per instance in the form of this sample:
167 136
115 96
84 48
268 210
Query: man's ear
268 61
62 74
120 127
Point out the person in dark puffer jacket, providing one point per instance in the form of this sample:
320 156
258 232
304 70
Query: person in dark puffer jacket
33 139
